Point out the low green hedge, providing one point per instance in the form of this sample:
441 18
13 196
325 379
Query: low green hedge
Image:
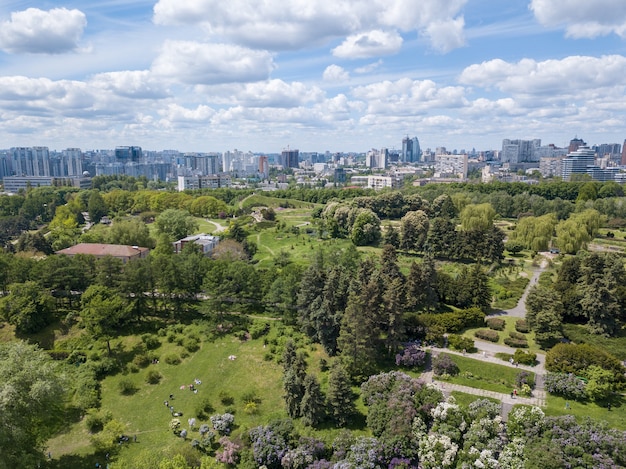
487 334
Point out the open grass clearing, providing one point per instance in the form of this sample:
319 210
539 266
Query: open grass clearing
614 345
482 375
616 417
464 400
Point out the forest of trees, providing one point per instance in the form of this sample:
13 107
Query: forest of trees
362 309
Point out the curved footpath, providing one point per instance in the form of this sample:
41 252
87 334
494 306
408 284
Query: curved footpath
486 353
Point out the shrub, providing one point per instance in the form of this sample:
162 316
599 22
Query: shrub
153 377
250 396
127 387
517 335
443 364
497 324
222 423
525 358
566 385
172 359
151 341
516 343
204 408
226 398
95 419
458 342
522 326
141 360
411 356
486 334
525 377
191 344
259 329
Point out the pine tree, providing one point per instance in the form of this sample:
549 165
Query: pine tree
312 406
340 399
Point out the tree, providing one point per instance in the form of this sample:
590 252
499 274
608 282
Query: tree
340 398
176 224
366 229
600 383
27 307
96 206
544 314
312 406
31 397
442 238
413 230
391 236
133 232
102 313
477 217
574 233
535 233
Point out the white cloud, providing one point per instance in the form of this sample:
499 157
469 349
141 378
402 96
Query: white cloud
280 25
369 67
178 113
335 74
42 32
131 84
405 96
575 75
370 44
583 18
277 93
200 63
446 35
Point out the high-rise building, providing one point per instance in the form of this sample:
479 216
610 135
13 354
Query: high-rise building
519 151
31 161
264 167
623 161
575 144
411 151
290 158
578 162
72 162
127 154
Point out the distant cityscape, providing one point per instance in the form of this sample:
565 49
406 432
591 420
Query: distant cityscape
517 160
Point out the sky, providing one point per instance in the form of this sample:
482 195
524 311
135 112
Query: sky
316 75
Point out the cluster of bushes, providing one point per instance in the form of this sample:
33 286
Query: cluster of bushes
522 326
565 384
454 321
487 334
459 342
525 358
496 324
411 356
516 340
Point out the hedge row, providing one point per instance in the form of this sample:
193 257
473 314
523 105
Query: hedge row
487 334
522 326
454 321
496 324
517 343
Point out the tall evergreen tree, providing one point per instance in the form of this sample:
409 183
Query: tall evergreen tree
340 398
312 405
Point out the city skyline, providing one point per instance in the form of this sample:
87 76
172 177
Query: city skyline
346 76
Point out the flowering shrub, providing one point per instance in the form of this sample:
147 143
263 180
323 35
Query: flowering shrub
268 447
525 377
483 408
524 422
437 451
565 384
448 420
443 364
363 454
411 356
222 423
306 453
229 452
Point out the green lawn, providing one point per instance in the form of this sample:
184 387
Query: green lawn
145 415
616 417
482 375
464 399
614 345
